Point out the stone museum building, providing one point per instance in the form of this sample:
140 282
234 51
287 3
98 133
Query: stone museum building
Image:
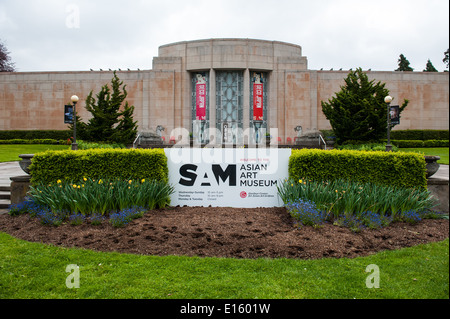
233 87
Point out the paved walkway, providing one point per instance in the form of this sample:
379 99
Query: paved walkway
7 170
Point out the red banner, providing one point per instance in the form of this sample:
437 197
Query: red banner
201 101
257 102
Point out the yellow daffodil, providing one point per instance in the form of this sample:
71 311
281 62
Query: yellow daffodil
300 181
100 181
84 179
143 180
130 181
58 181
74 186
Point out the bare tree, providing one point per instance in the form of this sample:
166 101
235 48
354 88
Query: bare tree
5 60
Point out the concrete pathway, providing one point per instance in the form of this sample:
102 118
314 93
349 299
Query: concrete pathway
7 170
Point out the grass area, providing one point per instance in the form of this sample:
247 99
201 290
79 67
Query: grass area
35 270
11 152
439 151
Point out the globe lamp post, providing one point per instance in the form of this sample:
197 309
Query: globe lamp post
388 100
74 99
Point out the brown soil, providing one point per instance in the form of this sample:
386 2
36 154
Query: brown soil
226 232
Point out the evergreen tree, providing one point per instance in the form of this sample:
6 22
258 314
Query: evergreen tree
403 64
430 67
126 131
108 124
358 111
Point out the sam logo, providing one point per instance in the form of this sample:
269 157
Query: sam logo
189 175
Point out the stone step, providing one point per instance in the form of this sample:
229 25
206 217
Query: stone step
5 188
4 204
5 195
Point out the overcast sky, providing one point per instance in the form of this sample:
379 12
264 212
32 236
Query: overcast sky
73 35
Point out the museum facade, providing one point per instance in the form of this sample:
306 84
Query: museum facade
221 90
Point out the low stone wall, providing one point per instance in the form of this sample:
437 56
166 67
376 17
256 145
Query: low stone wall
439 188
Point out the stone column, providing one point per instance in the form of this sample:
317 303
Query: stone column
20 185
246 102
212 105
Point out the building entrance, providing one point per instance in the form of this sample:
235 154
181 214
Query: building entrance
229 106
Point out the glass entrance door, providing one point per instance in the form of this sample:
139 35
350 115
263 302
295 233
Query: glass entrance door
229 105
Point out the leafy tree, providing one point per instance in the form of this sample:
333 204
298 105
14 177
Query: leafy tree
445 59
430 67
403 64
5 60
108 123
358 111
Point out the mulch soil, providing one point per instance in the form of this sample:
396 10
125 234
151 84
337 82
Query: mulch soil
226 232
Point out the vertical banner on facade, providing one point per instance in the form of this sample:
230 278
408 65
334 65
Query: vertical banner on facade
257 101
200 93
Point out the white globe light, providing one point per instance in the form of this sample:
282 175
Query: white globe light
388 99
74 98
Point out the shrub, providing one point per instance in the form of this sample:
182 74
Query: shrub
436 143
50 166
366 147
82 145
384 168
35 134
34 141
408 143
420 134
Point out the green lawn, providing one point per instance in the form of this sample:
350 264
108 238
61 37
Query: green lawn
11 152
35 270
439 151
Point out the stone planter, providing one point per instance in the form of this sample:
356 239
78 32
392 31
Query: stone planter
432 164
25 162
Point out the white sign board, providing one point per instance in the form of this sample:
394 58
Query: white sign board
227 177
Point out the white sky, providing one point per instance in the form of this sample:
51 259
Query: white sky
72 35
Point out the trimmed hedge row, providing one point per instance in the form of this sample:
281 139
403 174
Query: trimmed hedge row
419 143
51 166
378 167
36 134
34 141
422 135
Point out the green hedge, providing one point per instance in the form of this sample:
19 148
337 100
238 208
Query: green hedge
420 135
36 134
378 167
50 166
34 141
420 143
